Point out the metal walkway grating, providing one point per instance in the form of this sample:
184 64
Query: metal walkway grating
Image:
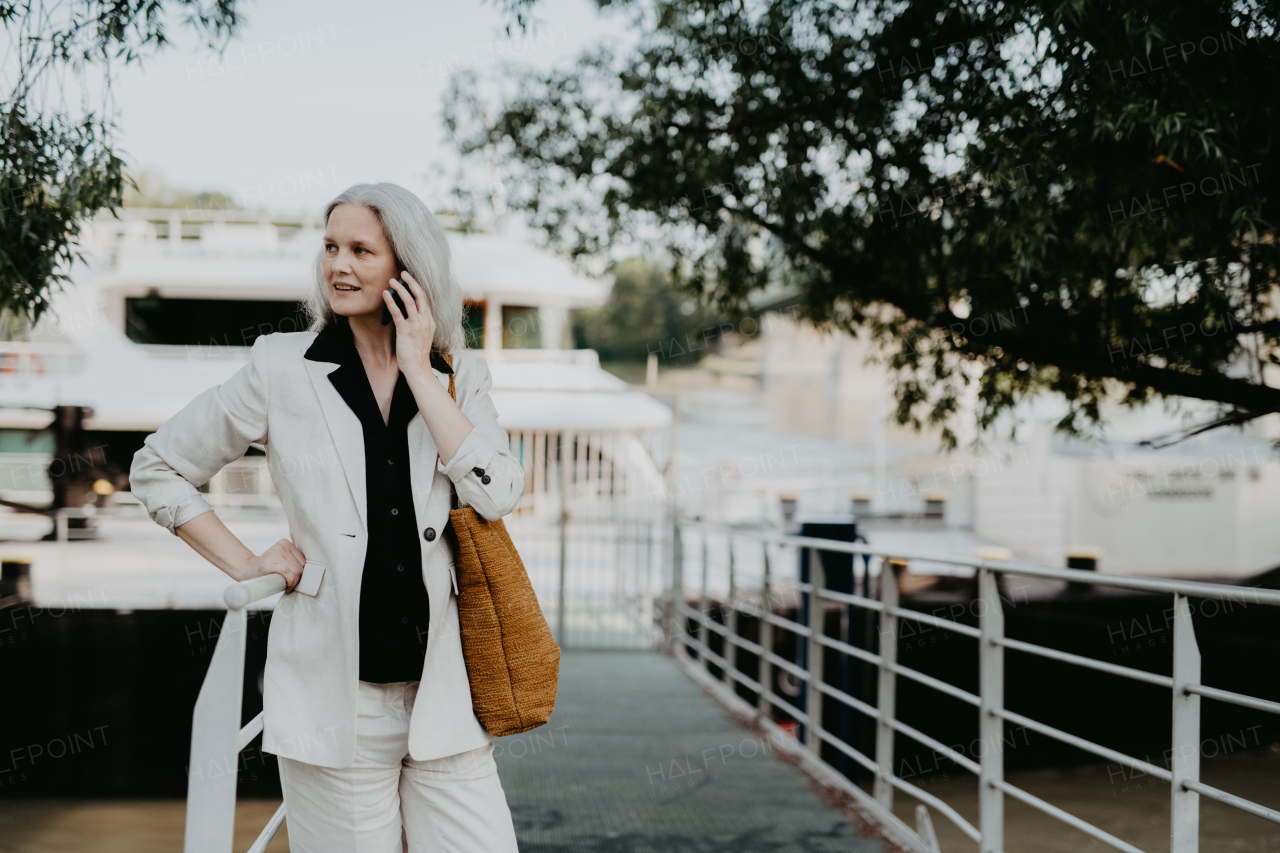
636 759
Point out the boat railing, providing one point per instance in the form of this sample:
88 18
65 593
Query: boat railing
31 358
539 356
217 737
741 591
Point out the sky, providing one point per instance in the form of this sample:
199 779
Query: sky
312 96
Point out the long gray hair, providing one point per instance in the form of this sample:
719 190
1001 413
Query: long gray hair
420 245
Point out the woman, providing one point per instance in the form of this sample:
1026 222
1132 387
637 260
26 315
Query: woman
366 698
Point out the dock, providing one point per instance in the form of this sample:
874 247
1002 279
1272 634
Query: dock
637 758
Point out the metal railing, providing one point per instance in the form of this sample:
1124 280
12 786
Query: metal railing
689 629
217 736
590 532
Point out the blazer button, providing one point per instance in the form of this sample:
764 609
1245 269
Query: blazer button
485 479
429 534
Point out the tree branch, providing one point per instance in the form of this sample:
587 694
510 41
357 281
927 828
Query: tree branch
1250 396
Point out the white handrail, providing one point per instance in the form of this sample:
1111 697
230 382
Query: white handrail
1193 589
1186 683
240 595
216 734
251 730
269 831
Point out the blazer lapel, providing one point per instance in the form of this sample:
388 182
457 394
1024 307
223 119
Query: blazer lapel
324 357
345 429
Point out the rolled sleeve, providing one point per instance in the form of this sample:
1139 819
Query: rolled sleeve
187 510
474 452
172 513
483 470
212 430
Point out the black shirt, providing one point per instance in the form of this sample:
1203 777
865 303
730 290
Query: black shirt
394 609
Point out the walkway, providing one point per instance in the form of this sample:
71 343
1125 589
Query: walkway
637 759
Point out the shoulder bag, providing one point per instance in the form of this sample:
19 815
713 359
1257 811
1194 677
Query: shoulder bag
513 661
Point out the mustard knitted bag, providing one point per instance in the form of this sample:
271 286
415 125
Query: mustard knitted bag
513 661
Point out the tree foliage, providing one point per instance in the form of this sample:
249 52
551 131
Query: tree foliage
645 314
1066 195
150 189
58 159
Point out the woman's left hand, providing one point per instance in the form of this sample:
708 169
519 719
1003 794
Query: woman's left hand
415 329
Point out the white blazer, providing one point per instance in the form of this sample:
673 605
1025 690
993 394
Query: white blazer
316 458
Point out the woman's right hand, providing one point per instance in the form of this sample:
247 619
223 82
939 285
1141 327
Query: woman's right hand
282 558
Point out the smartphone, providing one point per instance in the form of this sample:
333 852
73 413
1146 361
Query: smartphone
386 312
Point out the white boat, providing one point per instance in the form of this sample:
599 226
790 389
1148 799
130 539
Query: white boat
166 305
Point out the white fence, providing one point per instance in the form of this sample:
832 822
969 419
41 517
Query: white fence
746 580
217 736
595 573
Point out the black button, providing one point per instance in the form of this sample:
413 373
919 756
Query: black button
400 568
395 511
485 479
479 471
404 620
429 534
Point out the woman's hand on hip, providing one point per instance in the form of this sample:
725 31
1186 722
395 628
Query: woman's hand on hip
415 329
282 558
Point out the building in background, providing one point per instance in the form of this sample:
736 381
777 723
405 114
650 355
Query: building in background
169 302
1194 508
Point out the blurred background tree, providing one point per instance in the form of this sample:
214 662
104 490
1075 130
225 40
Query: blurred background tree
646 313
58 161
1071 196
150 189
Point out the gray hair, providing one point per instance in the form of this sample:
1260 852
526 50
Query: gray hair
420 246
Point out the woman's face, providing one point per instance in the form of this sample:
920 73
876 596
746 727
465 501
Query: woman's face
358 263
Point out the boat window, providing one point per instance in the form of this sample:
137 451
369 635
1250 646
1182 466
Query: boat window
521 328
26 441
208 322
473 324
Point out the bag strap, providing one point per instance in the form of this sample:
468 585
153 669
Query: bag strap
453 491
448 359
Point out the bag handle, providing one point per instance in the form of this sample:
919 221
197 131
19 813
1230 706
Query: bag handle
453 491
448 359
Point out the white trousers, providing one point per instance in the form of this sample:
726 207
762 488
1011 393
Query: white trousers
386 802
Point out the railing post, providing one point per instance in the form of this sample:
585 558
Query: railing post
673 617
990 724
813 696
561 624
645 577
886 692
766 638
1185 812
704 633
731 624
214 768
